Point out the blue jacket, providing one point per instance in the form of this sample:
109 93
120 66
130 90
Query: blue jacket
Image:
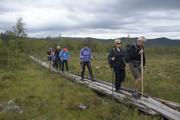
64 55
85 54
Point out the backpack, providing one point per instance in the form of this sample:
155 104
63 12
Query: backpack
64 53
110 62
49 52
86 54
128 52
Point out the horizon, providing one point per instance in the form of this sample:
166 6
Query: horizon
76 37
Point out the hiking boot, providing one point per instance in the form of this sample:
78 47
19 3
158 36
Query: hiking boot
92 79
136 95
119 91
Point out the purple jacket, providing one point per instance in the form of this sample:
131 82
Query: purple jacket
85 54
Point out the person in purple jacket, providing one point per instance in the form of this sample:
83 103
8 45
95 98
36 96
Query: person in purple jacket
85 60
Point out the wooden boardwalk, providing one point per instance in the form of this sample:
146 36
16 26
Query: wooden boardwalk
151 105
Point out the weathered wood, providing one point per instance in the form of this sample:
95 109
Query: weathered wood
154 104
171 104
146 104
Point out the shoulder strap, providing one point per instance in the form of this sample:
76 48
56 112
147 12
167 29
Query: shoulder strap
113 50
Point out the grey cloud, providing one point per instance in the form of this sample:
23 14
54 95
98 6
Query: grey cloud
128 16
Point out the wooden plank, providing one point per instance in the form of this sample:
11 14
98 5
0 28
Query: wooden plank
162 109
171 104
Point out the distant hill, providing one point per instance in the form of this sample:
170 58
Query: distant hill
162 42
150 42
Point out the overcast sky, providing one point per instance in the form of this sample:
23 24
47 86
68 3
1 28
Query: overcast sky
94 18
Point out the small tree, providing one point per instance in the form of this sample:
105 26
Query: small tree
19 29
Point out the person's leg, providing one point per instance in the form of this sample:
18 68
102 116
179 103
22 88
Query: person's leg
62 69
49 62
67 67
137 77
83 70
55 64
81 64
60 64
117 78
90 70
122 75
135 73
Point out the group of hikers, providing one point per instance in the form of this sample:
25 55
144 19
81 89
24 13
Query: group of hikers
58 57
117 60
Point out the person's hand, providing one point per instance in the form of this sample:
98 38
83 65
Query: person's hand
141 51
91 58
113 58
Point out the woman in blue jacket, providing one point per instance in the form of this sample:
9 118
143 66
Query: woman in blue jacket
64 56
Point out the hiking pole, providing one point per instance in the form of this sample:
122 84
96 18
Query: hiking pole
112 80
142 72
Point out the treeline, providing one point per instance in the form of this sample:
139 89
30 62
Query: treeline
13 48
31 46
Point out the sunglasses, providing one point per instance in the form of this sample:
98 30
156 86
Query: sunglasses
118 43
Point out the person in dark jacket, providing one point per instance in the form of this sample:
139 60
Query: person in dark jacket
57 61
136 50
49 56
116 58
85 61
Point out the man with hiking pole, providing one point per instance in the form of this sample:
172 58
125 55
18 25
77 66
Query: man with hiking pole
136 59
85 61
116 60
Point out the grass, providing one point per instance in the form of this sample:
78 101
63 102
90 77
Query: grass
47 95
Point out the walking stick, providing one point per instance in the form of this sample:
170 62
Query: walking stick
142 77
112 80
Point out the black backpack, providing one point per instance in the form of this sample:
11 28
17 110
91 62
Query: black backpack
49 52
110 62
128 52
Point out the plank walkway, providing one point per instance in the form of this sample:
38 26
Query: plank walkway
151 105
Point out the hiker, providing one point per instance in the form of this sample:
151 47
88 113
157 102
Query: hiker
134 54
64 56
85 61
116 59
57 61
53 58
49 57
